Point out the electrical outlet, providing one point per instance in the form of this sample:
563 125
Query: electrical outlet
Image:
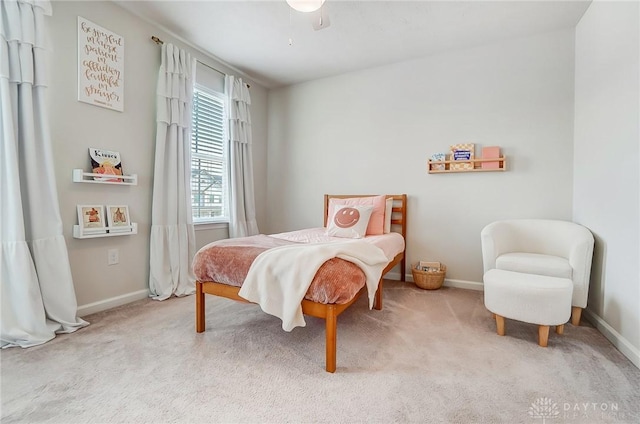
113 257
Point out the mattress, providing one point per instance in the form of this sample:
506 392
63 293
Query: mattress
336 282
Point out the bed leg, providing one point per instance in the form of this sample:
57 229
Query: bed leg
377 302
331 333
199 308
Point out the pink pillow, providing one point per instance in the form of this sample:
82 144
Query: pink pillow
376 222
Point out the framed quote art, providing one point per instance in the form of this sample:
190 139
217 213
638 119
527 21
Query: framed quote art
100 66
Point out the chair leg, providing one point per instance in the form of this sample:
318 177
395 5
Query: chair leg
500 325
576 313
543 335
559 329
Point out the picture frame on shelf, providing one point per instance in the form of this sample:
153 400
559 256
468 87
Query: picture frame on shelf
118 218
91 219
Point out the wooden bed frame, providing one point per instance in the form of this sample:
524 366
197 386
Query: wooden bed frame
330 311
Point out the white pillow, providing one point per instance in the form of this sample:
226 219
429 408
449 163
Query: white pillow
387 215
349 221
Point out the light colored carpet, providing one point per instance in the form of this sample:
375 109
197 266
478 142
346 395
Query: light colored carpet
429 356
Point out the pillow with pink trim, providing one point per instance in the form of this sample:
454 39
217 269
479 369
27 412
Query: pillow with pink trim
376 223
349 221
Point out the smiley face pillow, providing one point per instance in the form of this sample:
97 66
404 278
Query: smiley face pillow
349 221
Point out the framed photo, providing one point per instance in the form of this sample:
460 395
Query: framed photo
118 218
91 219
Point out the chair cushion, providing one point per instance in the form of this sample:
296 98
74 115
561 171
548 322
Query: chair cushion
535 263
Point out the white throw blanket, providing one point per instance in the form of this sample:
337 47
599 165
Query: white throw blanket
279 278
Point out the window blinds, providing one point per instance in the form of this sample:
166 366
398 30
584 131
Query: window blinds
208 156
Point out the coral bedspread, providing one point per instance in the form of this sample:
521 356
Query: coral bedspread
228 262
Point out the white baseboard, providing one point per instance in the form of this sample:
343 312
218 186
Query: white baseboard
395 276
622 344
460 284
463 284
103 305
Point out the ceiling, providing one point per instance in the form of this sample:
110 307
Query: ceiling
253 36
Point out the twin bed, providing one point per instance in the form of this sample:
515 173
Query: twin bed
221 268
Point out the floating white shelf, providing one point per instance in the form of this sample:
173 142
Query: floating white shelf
79 176
121 231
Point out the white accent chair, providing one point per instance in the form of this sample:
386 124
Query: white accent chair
540 247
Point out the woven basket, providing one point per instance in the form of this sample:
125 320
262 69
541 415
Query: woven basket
428 280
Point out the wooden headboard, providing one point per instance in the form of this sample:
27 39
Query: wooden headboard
398 216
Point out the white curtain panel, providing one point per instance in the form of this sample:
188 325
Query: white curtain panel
172 235
242 209
38 298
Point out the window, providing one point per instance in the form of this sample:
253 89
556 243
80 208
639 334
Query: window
209 165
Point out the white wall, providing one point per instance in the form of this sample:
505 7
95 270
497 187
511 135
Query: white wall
606 177
372 132
77 126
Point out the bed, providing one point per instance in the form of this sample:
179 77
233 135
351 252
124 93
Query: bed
326 297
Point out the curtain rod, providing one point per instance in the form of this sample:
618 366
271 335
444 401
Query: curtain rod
160 42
